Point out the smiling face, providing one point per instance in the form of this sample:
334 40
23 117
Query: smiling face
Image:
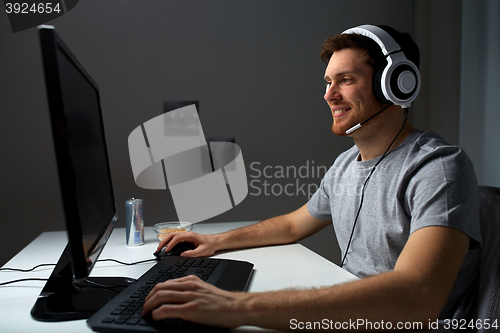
349 90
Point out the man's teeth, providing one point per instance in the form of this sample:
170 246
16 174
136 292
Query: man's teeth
343 110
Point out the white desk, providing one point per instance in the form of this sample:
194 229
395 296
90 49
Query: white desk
275 267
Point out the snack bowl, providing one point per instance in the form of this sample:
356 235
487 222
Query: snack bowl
164 228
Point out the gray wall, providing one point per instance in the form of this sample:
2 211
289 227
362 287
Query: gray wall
437 32
253 65
480 82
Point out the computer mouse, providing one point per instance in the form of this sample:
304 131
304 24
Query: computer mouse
176 251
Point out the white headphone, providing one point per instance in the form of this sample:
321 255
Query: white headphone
399 81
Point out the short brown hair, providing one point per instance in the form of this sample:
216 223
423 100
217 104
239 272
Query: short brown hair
374 56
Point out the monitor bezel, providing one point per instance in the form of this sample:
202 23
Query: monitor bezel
51 43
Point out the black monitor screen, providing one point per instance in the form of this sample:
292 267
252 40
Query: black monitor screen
93 190
80 146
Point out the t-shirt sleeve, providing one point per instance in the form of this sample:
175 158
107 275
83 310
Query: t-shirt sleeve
442 191
319 204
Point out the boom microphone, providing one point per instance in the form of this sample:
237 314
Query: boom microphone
352 129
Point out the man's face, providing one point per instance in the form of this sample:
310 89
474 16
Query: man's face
350 95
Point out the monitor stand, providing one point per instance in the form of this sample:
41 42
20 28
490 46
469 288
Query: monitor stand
61 299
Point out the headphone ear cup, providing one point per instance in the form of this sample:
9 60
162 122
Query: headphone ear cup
403 82
400 80
377 86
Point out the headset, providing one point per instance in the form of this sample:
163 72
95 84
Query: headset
399 81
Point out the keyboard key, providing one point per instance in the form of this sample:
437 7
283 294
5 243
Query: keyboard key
133 321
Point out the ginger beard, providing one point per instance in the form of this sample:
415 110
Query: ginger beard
353 114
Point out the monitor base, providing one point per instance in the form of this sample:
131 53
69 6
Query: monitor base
63 299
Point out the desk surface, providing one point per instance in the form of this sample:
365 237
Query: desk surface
275 267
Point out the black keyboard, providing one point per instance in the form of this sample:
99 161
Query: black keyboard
123 313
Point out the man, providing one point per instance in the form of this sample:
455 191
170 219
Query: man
407 231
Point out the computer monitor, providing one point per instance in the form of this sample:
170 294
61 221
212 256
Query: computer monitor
85 183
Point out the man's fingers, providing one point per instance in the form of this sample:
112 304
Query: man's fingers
171 240
203 244
165 311
176 291
192 299
167 297
199 251
184 283
164 241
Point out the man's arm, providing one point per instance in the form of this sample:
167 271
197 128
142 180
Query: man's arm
415 291
282 229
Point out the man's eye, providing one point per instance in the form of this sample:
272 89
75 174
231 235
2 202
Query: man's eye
345 80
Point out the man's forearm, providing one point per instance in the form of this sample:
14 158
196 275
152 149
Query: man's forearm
415 291
282 229
388 297
274 231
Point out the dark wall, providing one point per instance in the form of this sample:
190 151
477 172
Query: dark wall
253 66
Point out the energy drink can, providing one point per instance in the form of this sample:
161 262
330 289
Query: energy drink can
134 222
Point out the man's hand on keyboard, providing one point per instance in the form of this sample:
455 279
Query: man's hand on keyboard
192 299
205 245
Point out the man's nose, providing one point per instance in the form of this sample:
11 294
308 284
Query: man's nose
331 93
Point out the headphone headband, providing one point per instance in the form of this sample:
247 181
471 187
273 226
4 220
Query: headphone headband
379 35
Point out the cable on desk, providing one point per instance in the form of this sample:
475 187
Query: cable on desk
21 280
41 265
126 263
25 270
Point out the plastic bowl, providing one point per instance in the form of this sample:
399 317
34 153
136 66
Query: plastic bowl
164 228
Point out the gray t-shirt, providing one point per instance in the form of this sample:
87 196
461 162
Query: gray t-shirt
422 182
